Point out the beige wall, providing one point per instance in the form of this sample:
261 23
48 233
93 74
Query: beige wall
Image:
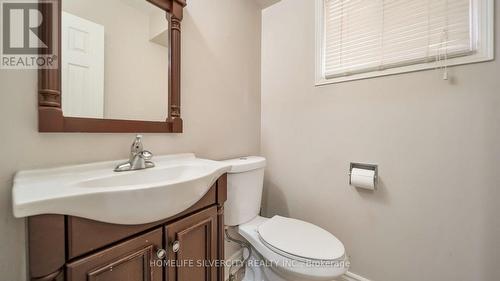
436 215
221 110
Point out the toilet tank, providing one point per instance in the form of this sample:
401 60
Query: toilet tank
245 182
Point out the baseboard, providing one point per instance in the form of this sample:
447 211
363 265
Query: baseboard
349 276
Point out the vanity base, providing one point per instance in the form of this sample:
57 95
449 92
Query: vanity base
76 249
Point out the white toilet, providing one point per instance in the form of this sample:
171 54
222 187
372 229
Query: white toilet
283 249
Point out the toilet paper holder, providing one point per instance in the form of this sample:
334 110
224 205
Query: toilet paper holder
365 166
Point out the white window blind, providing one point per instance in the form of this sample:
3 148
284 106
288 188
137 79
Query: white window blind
370 35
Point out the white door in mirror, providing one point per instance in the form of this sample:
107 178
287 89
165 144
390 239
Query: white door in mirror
82 67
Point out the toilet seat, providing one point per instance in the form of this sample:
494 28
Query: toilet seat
300 240
291 267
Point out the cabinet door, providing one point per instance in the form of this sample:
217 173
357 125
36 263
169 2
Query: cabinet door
192 244
131 260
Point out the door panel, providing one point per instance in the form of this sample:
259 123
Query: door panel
131 260
196 238
82 67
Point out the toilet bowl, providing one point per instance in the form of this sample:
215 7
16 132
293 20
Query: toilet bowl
283 249
306 251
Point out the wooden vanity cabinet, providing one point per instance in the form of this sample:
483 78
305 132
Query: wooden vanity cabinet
192 246
75 249
133 259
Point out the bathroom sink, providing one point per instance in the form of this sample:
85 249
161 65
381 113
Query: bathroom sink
96 192
152 177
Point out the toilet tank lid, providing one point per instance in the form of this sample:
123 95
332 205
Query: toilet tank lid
246 164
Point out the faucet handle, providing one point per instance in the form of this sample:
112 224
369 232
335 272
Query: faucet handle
138 138
137 145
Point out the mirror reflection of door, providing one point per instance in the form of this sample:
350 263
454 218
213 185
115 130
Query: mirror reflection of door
83 67
114 60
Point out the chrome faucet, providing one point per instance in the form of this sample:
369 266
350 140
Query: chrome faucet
139 158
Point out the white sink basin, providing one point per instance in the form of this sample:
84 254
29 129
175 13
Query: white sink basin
96 192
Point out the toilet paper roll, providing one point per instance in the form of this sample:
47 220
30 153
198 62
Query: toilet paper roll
363 178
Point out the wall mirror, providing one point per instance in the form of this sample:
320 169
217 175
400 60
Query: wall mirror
114 68
118 68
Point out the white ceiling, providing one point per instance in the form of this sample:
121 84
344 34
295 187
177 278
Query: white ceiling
266 3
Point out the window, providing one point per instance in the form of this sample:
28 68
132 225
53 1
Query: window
359 39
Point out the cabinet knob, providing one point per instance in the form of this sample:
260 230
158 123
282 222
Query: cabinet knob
176 246
161 253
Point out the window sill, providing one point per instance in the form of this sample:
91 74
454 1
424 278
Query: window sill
476 58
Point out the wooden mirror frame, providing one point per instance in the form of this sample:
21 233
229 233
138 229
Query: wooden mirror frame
50 114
